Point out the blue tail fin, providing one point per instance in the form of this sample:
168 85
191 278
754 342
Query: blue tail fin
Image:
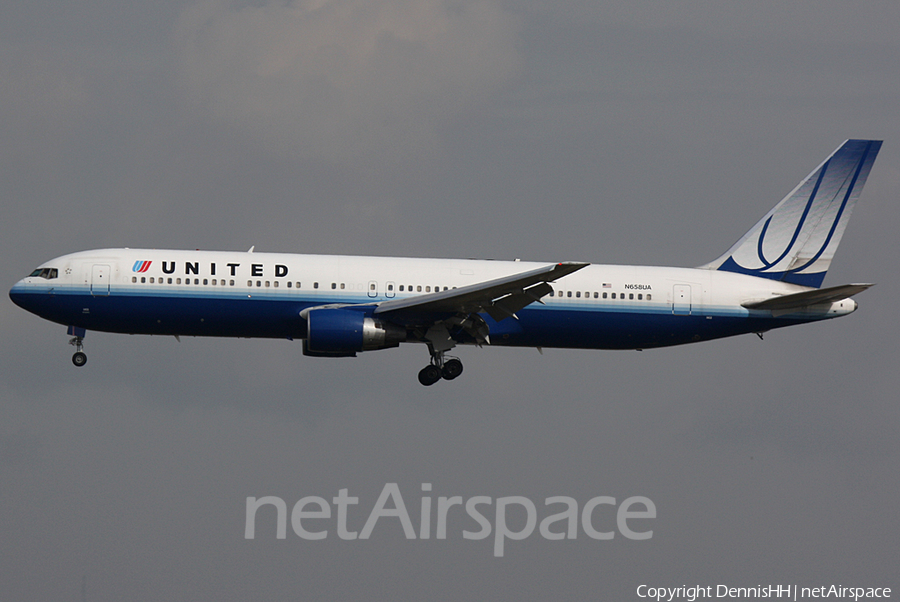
796 240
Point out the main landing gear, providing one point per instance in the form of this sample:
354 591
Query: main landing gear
80 357
439 368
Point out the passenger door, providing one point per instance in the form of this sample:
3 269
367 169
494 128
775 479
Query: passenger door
681 300
100 280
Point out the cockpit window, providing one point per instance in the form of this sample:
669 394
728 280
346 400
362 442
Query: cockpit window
47 273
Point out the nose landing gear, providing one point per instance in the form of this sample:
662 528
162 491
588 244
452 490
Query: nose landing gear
80 357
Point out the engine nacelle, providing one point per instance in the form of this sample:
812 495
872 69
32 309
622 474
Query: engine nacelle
343 332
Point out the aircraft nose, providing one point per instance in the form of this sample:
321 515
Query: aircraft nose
17 293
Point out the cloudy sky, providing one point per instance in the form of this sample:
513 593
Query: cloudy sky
639 132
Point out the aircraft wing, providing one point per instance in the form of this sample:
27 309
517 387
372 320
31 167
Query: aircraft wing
807 298
500 298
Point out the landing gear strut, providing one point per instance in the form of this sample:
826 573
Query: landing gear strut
80 357
439 368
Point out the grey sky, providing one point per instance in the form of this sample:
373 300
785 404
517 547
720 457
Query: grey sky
640 132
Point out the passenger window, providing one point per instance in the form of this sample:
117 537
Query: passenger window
276 284
648 296
596 295
205 281
427 289
578 294
568 293
289 285
390 287
640 296
151 280
604 295
419 289
315 285
401 288
196 281
372 287
134 278
613 295
249 283
259 284
560 294
267 284
178 281
631 295
333 285
343 286
170 281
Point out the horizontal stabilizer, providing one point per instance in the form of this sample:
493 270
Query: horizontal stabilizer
807 298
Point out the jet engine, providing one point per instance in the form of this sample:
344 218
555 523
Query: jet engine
344 332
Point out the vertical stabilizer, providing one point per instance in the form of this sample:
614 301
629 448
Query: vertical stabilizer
796 240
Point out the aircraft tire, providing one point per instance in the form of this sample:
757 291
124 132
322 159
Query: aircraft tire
429 375
452 369
79 359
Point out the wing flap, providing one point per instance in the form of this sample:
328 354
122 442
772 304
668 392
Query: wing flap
506 307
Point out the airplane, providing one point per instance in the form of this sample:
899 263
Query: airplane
343 305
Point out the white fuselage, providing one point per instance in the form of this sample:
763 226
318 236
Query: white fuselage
245 294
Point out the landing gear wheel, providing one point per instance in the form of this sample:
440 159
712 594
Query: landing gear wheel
80 358
429 375
452 368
